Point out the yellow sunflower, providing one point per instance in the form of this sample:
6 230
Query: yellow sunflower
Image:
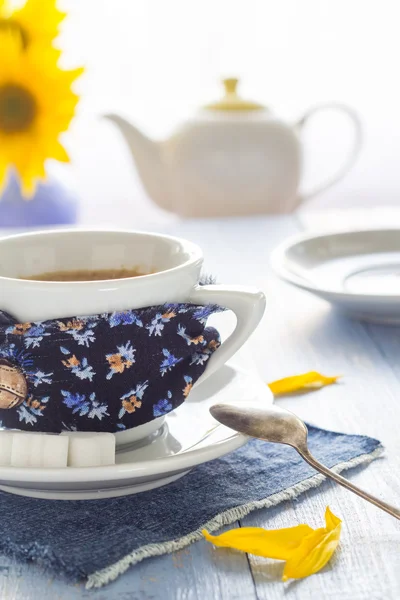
36 106
37 21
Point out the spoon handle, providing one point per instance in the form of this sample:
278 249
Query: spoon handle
395 512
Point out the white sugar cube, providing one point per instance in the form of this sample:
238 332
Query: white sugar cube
90 449
6 438
26 450
39 450
107 449
55 451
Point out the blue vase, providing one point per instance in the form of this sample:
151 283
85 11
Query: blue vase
54 203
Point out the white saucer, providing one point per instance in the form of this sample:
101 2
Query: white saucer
184 441
356 271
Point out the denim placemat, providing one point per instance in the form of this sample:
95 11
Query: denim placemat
98 540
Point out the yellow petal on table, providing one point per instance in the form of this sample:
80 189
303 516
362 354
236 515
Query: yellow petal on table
331 520
276 543
310 380
315 550
305 550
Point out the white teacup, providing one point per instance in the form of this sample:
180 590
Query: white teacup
171 266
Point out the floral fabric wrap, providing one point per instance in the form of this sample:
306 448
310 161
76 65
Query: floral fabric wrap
107 372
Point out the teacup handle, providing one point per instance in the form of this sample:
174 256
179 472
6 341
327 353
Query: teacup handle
248 304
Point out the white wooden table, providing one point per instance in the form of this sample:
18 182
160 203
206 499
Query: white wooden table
298 333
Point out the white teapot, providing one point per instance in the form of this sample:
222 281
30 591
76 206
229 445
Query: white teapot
232 158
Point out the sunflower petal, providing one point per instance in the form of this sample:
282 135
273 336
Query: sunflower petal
310 380
39 21
30 173
315 550
28 187
59 153
3 175
276 543
305 550
331 520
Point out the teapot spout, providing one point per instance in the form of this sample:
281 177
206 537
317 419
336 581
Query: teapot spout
147 157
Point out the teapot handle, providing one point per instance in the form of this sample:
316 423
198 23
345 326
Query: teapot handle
353 154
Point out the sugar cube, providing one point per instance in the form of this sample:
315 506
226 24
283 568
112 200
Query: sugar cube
55 451
39 450
6 438
90 449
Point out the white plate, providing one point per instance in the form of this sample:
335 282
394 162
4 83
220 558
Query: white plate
183 442
356 271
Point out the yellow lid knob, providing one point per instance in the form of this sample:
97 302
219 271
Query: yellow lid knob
231 100
230 85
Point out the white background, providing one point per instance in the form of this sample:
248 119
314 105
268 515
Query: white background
156 61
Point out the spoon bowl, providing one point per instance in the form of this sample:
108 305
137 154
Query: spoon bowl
272 423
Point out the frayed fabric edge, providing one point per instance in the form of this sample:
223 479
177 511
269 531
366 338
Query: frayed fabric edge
108 574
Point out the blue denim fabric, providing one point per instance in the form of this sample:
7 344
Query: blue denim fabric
78 538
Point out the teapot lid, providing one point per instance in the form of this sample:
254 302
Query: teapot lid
231 100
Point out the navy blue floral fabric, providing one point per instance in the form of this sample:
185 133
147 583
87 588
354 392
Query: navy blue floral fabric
107 372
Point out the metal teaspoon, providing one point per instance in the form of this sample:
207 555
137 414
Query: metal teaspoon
278 425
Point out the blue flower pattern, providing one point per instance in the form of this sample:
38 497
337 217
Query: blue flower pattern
84 338
85 405
200 358
31 409
41 377
79 367
169 361
34 335
109 372
127 317
160 320
163 406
